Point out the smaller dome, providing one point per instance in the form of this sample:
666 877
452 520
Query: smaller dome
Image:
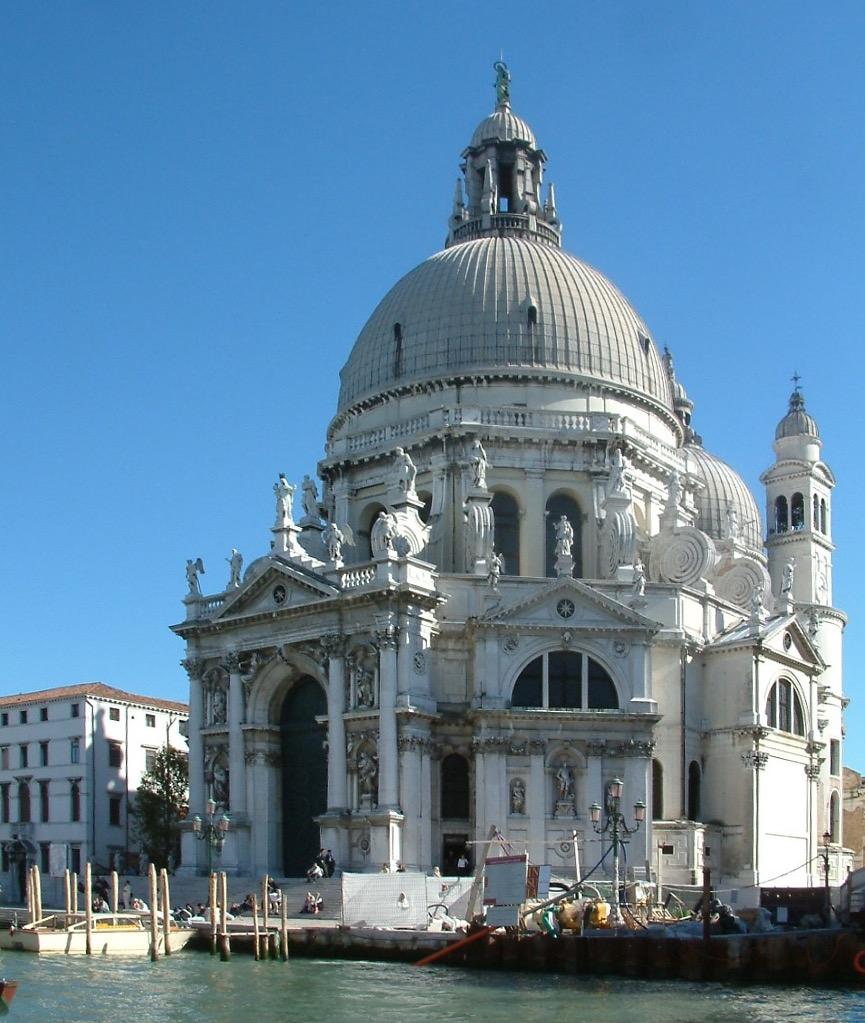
797 422
723 487
502 126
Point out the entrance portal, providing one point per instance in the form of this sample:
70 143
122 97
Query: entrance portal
304 774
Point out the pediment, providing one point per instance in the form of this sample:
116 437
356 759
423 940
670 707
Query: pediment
551 602
787 639
277 585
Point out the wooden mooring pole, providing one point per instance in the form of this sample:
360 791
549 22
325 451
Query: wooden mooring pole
166 912
67 892
707 898
224 943
88 910
37 890
154 922
265 906
256 933
283 927
115 892
214 918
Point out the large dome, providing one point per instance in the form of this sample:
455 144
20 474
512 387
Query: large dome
723 487
504 306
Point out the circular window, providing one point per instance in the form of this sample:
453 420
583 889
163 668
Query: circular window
565 608
279 594
788 640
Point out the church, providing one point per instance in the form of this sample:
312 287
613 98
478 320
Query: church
517 583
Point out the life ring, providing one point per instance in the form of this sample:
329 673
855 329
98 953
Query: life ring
859 961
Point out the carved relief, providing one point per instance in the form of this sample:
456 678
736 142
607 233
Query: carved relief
682 556
740 579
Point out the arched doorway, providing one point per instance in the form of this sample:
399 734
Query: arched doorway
304 774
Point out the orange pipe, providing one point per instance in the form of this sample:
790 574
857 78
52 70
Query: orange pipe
446 951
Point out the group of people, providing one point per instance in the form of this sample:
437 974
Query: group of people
323 866
313 903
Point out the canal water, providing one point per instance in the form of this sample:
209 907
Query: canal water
193 987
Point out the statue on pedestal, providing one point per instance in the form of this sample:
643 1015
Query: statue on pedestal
235 565
478 461
284 494
404 471
193 570
310 498
497 564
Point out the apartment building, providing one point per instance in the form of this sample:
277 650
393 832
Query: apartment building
71 759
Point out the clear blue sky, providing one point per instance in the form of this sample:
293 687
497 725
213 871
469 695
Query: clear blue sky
202 203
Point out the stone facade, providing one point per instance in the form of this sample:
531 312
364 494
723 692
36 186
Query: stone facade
524 576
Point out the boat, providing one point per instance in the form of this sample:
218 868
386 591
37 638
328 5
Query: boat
7 993
111 934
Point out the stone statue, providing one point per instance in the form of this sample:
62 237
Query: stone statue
363 683
787 578
497 565
618 469
675 494
284 494
503 83
218 705
220 784
333 538
757 603
404 471
235 565
518 796
638 588
310 497
565 783
387 528
193 570
478 460
367 769
731 522
564 538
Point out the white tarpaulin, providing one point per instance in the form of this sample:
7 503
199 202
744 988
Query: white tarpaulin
384 900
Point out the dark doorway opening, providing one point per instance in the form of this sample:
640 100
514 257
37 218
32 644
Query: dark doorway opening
454 846
304 774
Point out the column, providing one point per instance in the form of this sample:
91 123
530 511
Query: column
410 747
536 796
388 764
236 752
337 775
636 788
533 532
195 669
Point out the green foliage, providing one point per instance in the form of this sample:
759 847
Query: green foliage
160 804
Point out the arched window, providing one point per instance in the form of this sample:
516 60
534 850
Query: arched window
23 802
657 791
75 801
816 518
823 522
563 679
532 318
781 514
797 512
694 780
506 518
397 350
367 521
784 708
455 787
557 506
835 818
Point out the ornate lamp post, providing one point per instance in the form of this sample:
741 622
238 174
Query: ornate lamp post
827 842
212 831
615 824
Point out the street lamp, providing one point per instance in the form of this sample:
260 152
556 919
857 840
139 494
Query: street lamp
827 841
615 824
212 831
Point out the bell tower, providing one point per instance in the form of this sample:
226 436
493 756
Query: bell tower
798 510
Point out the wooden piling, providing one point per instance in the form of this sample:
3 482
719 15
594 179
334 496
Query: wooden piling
28 894
256 932
88 910
154 922
37 891
265 902
74 892
224 943
283 927
67 892
115 892
214 917
166 912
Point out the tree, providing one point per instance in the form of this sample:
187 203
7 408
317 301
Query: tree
160 805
